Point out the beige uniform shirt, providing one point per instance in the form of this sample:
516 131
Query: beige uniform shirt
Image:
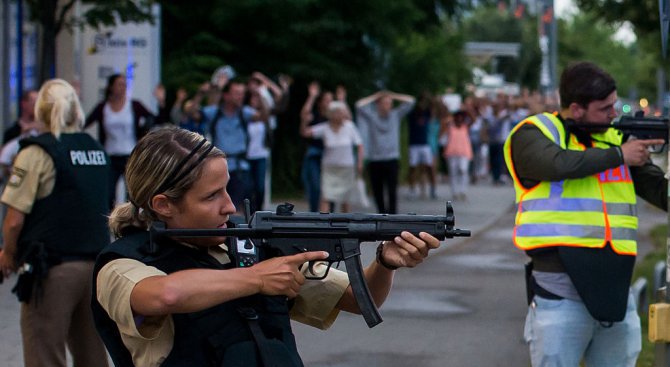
151 341
33 177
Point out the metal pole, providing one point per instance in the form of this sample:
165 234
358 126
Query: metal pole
5 42
19 54
553 50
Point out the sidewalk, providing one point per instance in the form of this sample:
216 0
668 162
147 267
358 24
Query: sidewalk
485 204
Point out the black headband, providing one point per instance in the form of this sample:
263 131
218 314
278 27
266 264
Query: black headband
172 179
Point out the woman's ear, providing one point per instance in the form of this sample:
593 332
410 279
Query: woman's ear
162 205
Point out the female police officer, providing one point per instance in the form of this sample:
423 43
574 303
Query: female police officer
178 305
55 226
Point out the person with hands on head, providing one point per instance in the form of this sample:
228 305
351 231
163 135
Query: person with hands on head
314 111
341 96
339 167
379 124
182 301
577 220
227 124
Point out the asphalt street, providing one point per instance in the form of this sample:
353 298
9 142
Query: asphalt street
464 306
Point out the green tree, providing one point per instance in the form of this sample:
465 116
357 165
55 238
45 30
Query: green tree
335 42
53 16
643 15
427 62
586 37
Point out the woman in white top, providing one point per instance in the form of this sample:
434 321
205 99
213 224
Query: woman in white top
339 167
258 150
122 122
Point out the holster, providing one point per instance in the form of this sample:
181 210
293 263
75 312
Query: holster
29 283
529 288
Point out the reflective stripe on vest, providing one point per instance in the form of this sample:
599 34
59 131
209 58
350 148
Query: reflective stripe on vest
585 212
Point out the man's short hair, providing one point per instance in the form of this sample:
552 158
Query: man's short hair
227 86
584 82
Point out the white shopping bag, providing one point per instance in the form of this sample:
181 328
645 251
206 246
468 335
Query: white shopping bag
361 195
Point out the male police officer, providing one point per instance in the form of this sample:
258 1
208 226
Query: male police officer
576 195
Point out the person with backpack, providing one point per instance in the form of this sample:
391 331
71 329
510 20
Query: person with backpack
227 126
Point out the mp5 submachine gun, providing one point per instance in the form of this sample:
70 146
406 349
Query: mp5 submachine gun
638 126
284 232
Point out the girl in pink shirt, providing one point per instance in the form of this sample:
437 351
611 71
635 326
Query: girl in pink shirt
458 153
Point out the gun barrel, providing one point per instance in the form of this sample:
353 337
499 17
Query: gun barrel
459 233
306 232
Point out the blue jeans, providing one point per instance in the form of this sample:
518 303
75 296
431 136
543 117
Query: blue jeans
311 178
561 333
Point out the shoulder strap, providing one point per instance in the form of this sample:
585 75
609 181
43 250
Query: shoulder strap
212 125
245 127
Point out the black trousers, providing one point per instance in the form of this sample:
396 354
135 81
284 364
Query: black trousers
118 169
384 180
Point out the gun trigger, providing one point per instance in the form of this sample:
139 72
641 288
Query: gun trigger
310 267
313 272
325 274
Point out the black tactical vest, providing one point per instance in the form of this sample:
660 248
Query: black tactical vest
71 222
218 336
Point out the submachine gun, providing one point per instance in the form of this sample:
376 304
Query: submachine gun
284 232
636 126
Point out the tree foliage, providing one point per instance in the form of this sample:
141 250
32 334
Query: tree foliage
643 15
350 43
587 38
53 16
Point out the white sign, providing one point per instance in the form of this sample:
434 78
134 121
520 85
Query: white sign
128 48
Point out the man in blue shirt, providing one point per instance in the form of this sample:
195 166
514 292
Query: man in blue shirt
226 123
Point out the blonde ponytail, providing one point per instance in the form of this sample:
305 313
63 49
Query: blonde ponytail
58 107
125 216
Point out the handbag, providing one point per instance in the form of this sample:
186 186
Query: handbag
361 195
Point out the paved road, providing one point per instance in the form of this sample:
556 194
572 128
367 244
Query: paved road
463 307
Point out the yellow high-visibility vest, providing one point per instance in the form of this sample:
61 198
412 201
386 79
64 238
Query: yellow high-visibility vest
583 212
